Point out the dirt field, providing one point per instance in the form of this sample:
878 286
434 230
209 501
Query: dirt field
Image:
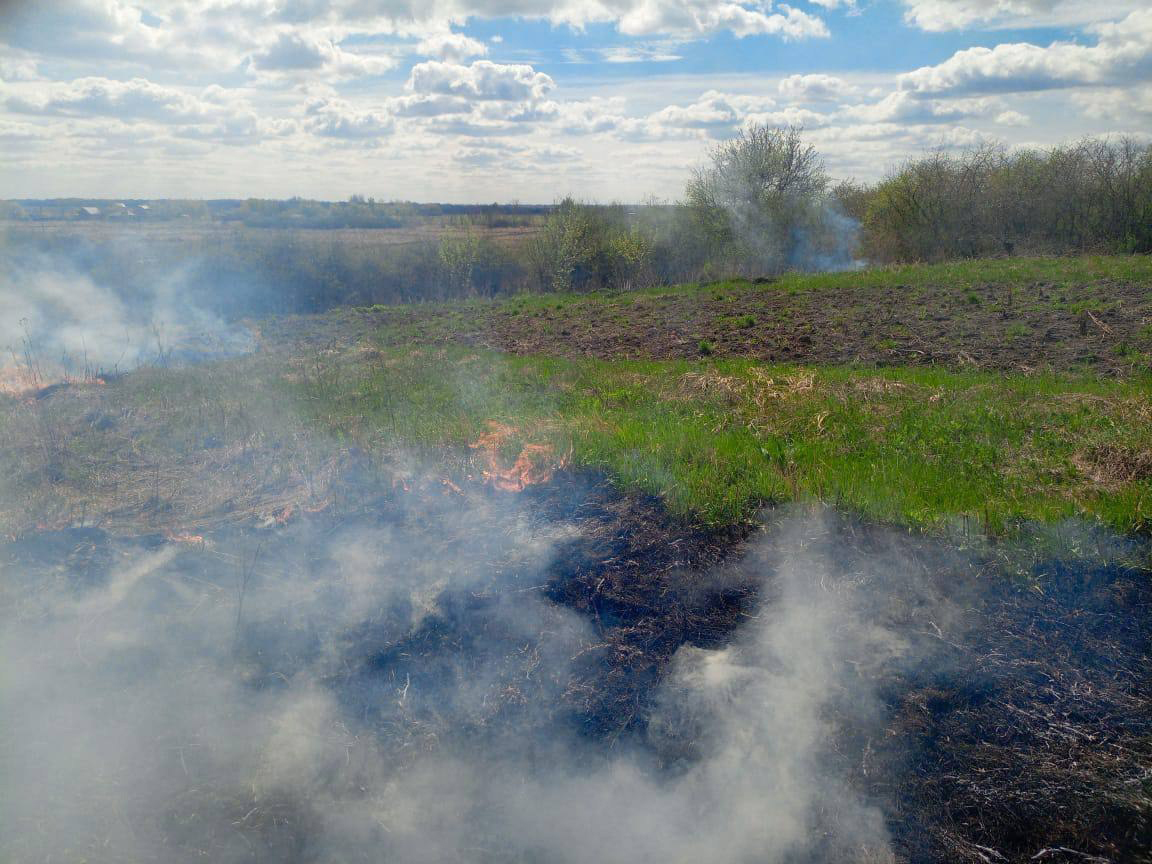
1097 326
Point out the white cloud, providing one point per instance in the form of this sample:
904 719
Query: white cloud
702 17
513 157
1123 52
1119 104
938 15
295 53
19 133
903 106
452 47
137 99
814 88
590 116
790 116
428 106
481 80
652 52
81 29
1012 118
337 118
712 111
18 69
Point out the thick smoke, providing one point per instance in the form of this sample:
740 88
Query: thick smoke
64 314
389 689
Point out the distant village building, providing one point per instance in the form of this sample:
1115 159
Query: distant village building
88 212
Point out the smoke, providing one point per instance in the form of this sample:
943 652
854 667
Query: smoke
397 688
806 235
87 311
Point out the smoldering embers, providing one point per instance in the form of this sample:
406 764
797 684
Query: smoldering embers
376 700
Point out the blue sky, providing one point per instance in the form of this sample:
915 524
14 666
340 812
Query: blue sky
480 100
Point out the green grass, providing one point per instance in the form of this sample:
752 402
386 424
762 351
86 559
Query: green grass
1059 274
716 440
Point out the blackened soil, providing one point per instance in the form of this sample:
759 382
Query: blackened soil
1015 724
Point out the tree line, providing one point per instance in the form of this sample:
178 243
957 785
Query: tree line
761 204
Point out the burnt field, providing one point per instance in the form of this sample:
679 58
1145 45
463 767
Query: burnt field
427 584
438 673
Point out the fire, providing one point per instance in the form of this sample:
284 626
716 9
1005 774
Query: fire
17 379
186 539
536 463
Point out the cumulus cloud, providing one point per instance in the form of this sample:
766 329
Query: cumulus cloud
905 107
482 80
1123 52
214 113
714 114
428 106
713 110
587 117
814 88
1120 104
20 133
790 116
137 99
452 47
938 15
700 17
337 118
79 29
296 53
1012 118
513 157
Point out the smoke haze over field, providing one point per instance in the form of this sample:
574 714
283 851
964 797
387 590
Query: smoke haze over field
78 314
371 699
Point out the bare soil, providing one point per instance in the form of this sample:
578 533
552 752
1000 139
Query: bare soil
1102 327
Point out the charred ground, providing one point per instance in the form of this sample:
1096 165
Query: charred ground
1009 722
1012 721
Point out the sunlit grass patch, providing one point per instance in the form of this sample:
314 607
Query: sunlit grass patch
716 440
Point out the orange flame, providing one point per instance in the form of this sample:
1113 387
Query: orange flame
537 463
186 539
18 380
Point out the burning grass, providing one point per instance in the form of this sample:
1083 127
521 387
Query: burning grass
1004 720
560 640
714 440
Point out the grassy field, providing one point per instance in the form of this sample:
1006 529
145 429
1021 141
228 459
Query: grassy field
717 439
715 436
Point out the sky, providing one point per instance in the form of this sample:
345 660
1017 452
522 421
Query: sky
532 100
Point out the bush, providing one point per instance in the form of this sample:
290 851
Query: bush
1095 195
763 205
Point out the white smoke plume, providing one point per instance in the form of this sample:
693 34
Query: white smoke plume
148 718
63 316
